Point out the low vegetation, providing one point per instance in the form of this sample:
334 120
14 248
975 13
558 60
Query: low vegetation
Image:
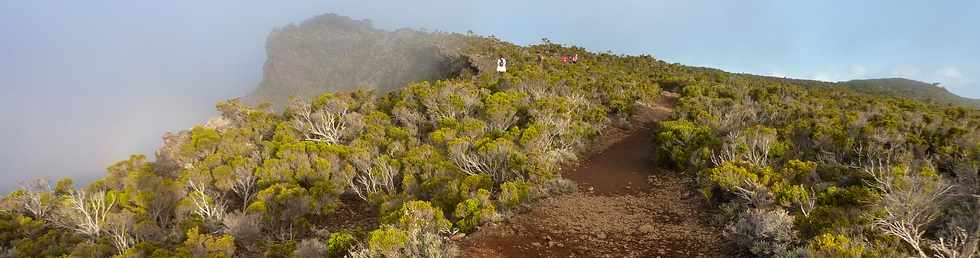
434 159
797 168
805 170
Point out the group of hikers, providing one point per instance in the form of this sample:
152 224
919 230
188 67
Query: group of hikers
564 58
502 62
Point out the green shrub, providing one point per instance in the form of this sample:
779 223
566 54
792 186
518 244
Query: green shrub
204 245
387 240
835 246
513 194
339 243
419 215
475 211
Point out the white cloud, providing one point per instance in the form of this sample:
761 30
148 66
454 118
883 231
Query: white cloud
834 75
858 71
777 74
906 72
827 77
950 74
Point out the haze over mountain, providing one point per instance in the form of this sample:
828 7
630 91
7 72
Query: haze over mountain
336 53
87 83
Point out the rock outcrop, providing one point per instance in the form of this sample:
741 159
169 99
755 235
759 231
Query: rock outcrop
335 53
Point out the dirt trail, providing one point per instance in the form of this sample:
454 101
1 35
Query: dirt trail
626 207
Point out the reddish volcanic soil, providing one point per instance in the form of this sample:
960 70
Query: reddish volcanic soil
626 207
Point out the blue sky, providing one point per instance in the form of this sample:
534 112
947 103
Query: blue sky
86 83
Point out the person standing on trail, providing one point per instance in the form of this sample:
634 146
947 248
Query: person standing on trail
575 59
501 64
564 59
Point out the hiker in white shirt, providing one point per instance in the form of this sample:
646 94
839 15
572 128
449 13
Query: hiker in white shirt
501 64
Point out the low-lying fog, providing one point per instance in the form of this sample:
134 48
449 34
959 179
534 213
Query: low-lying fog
87 83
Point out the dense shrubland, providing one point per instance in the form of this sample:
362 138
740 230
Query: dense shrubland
433 159
804 170
797 168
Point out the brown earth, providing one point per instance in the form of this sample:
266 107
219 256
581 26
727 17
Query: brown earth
626 207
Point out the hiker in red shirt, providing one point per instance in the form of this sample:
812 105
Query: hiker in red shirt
564 59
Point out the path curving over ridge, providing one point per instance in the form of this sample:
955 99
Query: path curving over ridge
626 207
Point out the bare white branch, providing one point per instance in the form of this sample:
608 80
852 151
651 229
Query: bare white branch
326 124
87 213
808 203
205 205
244 186
119 231
908 202
491 159
37 199
952 245
373 175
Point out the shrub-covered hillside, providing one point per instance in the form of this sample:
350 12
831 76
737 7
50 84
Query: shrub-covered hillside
804 171
429 161
798 169
898 87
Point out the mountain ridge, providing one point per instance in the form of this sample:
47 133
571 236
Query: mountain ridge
908 88
332 52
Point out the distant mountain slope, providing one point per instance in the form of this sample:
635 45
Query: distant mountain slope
336 53
899 87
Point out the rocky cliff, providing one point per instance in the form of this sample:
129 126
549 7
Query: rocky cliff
336 53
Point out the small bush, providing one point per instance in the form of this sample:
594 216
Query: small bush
339 243
387 240
475 211
311 248
513 194
244 228
205 245
764 232
834 245
420 215
393 242
553 187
